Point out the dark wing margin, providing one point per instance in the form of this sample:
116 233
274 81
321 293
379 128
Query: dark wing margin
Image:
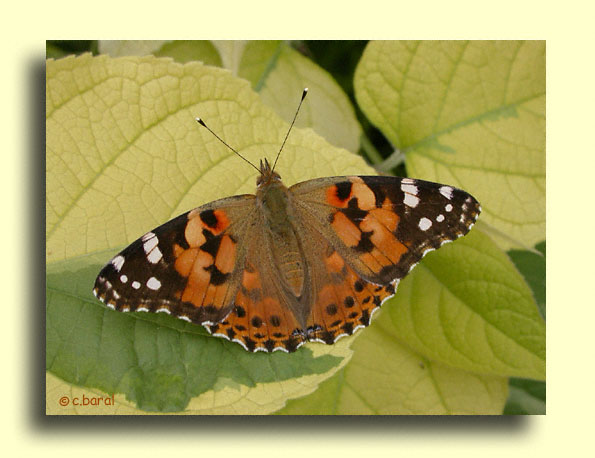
384 225
187 267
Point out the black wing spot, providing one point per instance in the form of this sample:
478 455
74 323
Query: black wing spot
211 244
275 320
256 322
343 190
331 309
348 328
250 344
269 345
359 286
209 218
365 245
217 277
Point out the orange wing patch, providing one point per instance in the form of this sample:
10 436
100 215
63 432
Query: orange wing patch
257 321
344 304
340 194
363 226
207 263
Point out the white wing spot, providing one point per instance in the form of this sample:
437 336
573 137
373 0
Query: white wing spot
118 262
116 295
142 309
147 236
154 256
150 243
111 306
424 224
440 218
126 309
153 283
411 201
446 191
448 208
407 180
164 310
185 318
409 188
135 284
123 278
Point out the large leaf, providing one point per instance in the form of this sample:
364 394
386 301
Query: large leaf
460 323
124 154
471 114
385 377
479 315
276 71
328 112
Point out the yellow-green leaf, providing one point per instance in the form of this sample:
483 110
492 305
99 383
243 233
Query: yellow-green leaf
328 112
470 114
385 377
276 71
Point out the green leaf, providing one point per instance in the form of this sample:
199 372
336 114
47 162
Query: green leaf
187 51
470 114
258 59
532 266
124 155
119 48
328 111
468 307
180 50
527 397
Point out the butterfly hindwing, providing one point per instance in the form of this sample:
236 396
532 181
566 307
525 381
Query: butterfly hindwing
342 301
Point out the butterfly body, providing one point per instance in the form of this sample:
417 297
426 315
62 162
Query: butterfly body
285 266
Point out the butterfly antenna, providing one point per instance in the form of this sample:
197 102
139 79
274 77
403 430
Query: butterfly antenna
202 123
292 122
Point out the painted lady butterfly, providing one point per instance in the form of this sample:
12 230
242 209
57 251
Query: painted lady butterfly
286 266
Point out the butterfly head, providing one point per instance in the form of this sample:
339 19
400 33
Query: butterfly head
267 174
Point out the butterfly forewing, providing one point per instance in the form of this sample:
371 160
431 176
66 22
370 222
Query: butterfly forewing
189 267
383 226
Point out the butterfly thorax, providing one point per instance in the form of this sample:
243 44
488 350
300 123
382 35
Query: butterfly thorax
278 220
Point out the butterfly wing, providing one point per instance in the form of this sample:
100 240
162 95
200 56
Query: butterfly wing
368 233
189 267
383 226
264 316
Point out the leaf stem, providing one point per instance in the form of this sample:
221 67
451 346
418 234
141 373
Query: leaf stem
370 150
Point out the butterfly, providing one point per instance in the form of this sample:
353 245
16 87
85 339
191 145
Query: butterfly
286 266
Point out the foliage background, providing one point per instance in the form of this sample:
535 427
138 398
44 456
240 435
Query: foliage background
340 60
